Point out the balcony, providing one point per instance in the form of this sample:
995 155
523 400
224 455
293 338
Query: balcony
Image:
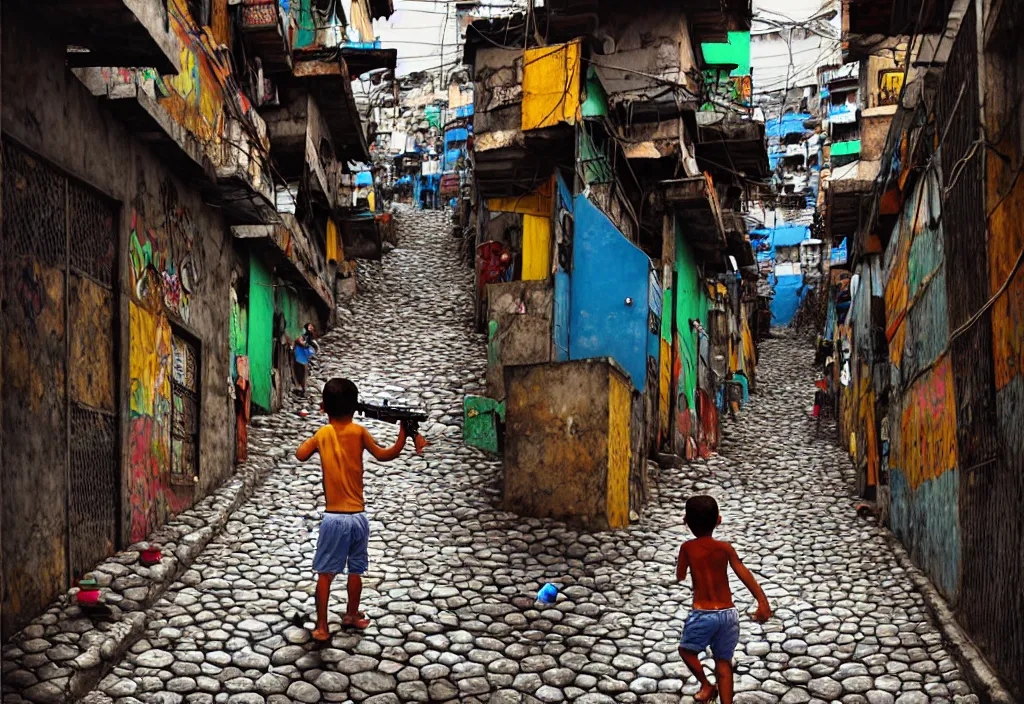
294 255
363 57
230 166
327 77
266 32
110 32
694 199
731 144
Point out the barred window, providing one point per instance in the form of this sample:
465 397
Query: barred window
184 411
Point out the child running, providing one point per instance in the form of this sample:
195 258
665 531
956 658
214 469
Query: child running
713 621
344 530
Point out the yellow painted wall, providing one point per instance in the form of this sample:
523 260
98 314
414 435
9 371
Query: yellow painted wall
664 390
536 247
332 242
551 85
618 451
537 203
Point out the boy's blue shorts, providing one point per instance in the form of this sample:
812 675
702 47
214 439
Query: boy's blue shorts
718 629
342 544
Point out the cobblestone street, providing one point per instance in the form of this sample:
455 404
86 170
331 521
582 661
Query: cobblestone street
453 579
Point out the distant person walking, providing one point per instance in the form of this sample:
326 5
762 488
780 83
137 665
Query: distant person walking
305 347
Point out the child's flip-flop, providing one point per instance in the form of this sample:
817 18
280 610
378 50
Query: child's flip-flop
358 622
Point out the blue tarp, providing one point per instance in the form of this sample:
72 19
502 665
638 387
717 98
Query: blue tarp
458 134
787 298
791 123
782 235
839 253
364 178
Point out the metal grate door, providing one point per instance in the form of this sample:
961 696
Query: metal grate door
61 440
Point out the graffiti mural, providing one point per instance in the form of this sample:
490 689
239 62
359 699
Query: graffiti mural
165 268
165 257
151 500
928 446
204 98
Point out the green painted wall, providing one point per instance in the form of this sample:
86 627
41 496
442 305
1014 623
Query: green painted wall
846 148
666 314
261 331
735 51
287 302
596 104
691 303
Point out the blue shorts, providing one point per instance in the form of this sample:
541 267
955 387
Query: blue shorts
718 629
342 543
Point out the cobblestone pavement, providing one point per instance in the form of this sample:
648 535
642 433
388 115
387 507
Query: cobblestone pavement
452 579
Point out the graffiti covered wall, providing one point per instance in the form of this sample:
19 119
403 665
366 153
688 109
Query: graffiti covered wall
924 476
169 267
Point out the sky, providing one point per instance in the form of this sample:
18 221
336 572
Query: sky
422 29
419 28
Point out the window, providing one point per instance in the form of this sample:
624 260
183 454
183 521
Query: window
184 411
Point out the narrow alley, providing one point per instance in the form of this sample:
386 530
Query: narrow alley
453 580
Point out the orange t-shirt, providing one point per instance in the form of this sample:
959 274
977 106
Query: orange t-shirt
341 456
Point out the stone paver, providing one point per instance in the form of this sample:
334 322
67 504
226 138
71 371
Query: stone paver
452 578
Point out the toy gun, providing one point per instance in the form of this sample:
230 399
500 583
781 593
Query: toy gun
408 417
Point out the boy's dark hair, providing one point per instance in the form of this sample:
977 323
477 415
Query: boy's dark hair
340 398
702 515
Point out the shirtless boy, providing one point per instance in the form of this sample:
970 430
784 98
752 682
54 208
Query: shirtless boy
713 621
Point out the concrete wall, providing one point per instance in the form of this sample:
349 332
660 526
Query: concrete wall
567 445
173 270
519 318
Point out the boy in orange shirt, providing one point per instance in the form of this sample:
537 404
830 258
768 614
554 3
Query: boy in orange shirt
713 621
344 530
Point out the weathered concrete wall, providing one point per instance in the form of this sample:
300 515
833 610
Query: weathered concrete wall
874 128
173 269
519 318
567 445
497 112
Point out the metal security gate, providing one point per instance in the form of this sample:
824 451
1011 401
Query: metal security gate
61 459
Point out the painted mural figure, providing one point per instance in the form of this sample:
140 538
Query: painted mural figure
344 531
713 621
305 347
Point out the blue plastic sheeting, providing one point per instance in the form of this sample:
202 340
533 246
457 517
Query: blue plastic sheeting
782 235
610 288
451 158
787 298
459 134
364 178
791 123
839 253
464 110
